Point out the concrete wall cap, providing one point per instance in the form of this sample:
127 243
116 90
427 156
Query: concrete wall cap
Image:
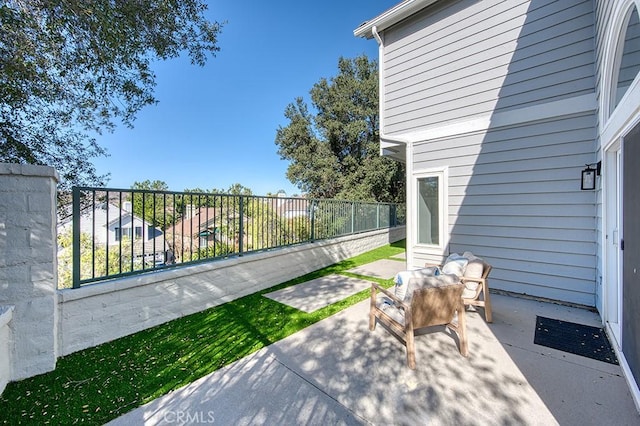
29 170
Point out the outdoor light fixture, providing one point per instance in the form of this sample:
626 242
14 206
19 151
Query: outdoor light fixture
589 176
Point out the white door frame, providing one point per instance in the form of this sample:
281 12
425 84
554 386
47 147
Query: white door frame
612 256
613 127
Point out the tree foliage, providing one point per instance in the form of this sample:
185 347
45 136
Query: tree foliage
334 153
152 207
96 260
72 68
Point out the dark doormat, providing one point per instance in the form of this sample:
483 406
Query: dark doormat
574 338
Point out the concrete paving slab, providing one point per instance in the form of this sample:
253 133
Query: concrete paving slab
315 294
505 380
402 255
383 268
338 372
257 390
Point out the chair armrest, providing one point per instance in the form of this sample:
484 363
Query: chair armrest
475 280
391 296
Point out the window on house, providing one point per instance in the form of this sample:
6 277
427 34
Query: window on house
122 233
628 58
138 231
430 209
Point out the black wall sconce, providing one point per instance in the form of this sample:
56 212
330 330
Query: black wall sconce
589 175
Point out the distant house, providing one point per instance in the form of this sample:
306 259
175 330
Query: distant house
519 122
200 228
108 224
294 207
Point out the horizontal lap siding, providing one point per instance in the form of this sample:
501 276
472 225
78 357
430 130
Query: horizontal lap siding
475 58
515 199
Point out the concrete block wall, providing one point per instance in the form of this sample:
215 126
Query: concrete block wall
98 313
28 272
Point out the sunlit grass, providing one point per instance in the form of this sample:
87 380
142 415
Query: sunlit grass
101 383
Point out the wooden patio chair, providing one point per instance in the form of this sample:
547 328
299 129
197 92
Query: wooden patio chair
475 277
431 302
475 288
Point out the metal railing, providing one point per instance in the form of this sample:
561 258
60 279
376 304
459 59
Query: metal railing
118 232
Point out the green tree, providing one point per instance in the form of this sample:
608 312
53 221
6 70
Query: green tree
156 209
72 68
93 258
335 153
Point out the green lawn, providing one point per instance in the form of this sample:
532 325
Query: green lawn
101 383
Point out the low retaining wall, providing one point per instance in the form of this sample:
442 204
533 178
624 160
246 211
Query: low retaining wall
98 313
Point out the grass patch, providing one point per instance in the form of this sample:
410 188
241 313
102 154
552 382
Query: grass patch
101 383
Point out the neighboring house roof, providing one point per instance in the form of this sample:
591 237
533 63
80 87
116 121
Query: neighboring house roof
391 17
203 218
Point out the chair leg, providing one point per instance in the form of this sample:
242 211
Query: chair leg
462 331
487 302
411 349
372 310
372 320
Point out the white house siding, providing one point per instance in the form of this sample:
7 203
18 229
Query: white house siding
467 59
515 199
514 180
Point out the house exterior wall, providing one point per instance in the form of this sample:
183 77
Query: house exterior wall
501 96
514 198
467 59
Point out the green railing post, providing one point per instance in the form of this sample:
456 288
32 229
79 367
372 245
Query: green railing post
353 217
75 245
312 213
241 230
393 216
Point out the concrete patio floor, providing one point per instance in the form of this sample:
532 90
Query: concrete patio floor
338 372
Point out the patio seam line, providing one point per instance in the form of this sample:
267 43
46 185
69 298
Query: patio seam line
304 379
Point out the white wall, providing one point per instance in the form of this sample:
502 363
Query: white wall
98 313
28 271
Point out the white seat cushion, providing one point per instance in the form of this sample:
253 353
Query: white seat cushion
455 264
402 280
474 269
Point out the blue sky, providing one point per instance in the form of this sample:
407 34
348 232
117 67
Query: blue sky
216 125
